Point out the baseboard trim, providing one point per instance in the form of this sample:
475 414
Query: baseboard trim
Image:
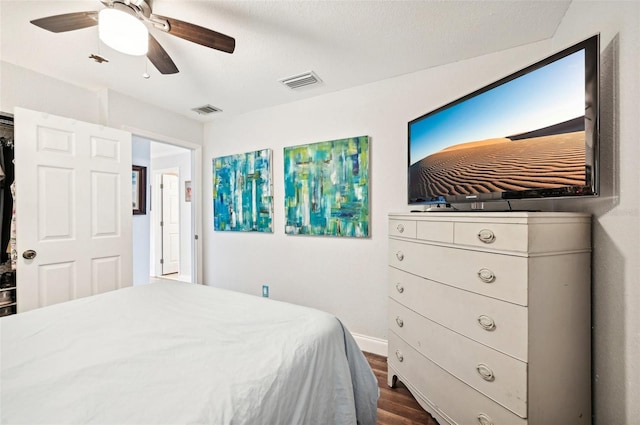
371 345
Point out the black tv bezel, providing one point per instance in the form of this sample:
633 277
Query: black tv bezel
591 47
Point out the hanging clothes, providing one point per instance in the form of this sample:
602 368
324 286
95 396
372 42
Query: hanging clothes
6 198
3 141
8 255
12 239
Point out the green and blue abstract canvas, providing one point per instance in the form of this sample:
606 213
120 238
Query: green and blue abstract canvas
327 188
242 192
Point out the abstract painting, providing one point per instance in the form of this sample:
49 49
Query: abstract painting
327 188
242 192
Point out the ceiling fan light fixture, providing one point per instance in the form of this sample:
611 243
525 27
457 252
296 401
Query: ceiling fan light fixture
123 32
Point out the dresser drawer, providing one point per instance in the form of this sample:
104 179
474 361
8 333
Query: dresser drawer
435 231
498 236
498 376
525 238
402 228
496 275
497 324
443 392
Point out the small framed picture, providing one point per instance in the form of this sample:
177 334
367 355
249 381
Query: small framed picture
187 191
139 186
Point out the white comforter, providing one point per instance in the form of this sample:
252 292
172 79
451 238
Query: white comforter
172 353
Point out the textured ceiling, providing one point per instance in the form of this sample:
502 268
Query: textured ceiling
347 43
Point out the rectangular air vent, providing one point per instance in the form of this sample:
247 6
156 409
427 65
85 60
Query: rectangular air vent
206 109
302 80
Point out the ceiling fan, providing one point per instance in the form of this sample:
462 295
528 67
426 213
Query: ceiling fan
141 10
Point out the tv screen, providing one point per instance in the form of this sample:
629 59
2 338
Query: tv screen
532 134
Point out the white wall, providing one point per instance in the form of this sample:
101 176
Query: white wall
27 89
141 224
348 276
616 225
120 111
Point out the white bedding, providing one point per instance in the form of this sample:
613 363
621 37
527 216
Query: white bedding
173 353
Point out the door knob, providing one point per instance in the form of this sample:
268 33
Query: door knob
29 254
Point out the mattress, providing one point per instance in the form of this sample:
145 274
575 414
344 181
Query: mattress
176 353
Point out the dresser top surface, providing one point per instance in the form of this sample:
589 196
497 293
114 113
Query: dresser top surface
507 216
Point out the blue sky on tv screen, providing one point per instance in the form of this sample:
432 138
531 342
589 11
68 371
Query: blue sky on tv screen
548 95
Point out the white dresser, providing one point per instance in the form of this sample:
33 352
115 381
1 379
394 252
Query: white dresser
490 315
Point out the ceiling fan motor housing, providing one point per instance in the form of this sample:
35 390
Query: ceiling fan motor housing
138 8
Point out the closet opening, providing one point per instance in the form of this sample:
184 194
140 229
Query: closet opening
8 255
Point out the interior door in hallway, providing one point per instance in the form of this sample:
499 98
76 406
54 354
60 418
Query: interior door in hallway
73 208
170 223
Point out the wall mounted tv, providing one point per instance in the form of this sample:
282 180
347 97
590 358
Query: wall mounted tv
532 134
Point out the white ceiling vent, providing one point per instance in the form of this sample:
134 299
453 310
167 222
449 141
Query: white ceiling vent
206 109
302 80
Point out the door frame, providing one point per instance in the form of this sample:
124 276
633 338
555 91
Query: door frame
196 191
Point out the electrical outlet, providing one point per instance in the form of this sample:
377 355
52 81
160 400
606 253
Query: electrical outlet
265 291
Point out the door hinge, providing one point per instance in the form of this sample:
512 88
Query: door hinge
161 261
161 223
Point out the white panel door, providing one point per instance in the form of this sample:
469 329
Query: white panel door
73 208
170 224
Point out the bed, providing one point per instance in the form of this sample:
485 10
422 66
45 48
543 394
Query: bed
176 353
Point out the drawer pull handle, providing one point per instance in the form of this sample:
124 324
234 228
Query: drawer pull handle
484 419
400 228
485 372
399 356
400 255
486 275
486 236
399 288
399 322
486 323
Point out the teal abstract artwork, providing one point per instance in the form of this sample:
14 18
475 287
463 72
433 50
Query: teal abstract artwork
327 188
242 192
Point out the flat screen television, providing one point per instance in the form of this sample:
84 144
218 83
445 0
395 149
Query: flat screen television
532 134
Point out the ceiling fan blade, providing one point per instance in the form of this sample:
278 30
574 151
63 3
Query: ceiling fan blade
160 58
67 21
199 35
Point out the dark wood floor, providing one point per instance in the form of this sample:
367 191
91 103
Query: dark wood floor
396 406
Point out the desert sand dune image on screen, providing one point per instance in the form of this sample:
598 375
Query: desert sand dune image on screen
502 165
